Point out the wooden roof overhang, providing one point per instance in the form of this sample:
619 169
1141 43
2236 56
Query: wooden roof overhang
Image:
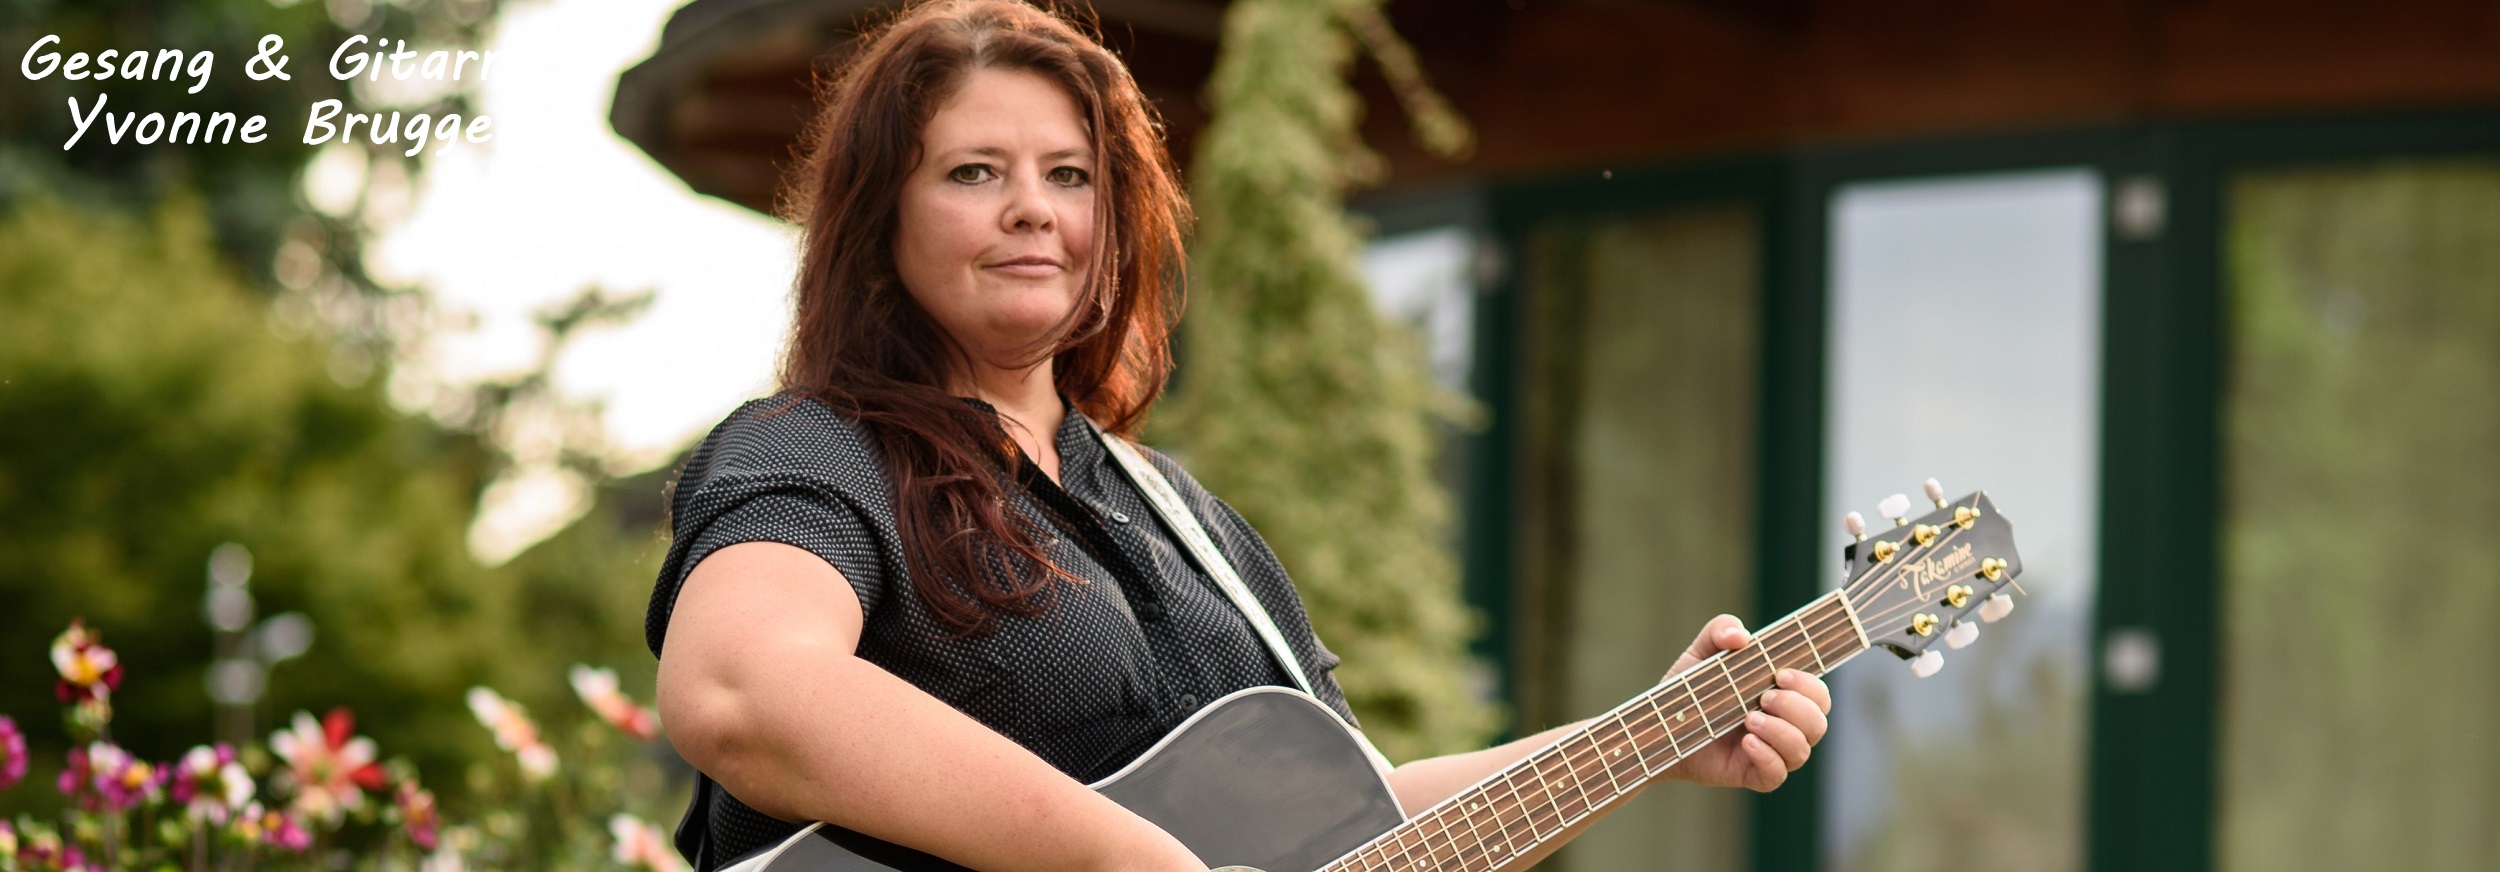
1556 84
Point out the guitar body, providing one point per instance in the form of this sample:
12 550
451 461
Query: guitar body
1266 777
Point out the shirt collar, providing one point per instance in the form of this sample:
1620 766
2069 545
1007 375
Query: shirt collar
1080 453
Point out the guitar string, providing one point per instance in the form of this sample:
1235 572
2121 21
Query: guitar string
1631 731
1629 738
1871 582
1443 822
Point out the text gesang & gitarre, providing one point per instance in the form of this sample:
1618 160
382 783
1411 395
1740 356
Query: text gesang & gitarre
327 119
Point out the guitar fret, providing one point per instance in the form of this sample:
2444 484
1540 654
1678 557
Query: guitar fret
1533 802
1527 818
1820 668
1738 688
1603 752
1765 651
1699 710
1501 824
1577 785
1496 810
1607 754
1630 754
1422 844
1432 849
1530 803
1854 624
1546 787
1399 848
1640 749
1663 725
1475 838
1731 683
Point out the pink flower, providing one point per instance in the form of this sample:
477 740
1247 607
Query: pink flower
210 783
418 815
122 782
329 766
514 732
272 827
597 688
88 669
640 844
12 756
76 776
44 851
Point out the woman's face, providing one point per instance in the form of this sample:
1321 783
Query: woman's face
996 222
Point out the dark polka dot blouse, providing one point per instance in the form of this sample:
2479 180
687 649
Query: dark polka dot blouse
1087 685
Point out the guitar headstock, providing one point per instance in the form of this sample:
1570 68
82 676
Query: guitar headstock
1933 578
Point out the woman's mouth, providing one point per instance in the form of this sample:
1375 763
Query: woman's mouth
1031 266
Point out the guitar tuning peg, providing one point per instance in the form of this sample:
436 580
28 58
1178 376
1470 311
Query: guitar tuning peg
1855 524
1962 634
1995 607
1927 664
1935 493
1896 507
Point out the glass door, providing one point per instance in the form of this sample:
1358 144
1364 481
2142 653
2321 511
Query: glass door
2361 480
1964 342
1640 414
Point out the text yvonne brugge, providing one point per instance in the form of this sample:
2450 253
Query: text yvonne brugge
324 119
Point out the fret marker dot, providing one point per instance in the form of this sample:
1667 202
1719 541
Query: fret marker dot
1679 717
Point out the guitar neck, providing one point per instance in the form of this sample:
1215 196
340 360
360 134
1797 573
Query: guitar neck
1537 799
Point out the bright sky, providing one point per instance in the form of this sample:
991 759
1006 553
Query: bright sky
558 201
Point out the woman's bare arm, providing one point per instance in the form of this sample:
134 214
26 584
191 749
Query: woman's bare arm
1774 742
760 688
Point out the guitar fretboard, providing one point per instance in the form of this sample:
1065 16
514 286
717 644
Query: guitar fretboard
1536 799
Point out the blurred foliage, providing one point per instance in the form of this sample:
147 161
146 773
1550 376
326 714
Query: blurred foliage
249 190
1301 406
2362 406
155 410
192 354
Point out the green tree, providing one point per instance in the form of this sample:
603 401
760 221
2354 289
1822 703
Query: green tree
1300 405
152 411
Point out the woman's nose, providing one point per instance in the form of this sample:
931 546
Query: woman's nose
1028 205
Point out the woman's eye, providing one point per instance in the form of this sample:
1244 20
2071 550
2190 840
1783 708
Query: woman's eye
971 174
1069 176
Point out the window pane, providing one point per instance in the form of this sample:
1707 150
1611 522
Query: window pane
2362 483
1640 413
1966 345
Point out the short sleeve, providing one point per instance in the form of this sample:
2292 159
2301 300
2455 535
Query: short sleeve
828 528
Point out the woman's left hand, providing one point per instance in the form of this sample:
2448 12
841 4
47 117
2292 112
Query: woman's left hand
1774 741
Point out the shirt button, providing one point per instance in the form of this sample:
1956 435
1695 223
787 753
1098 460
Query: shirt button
1120 517
1189 702
1152 611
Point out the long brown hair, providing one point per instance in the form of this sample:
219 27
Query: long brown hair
862 346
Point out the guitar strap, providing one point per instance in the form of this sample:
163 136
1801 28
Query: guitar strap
1176 515
1167 503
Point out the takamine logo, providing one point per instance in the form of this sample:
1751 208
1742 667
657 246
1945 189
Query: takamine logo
1935 570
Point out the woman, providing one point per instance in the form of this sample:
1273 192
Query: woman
911 596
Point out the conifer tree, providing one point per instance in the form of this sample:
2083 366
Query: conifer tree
1298 403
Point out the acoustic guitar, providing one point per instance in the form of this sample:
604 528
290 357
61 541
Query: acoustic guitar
1270 779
